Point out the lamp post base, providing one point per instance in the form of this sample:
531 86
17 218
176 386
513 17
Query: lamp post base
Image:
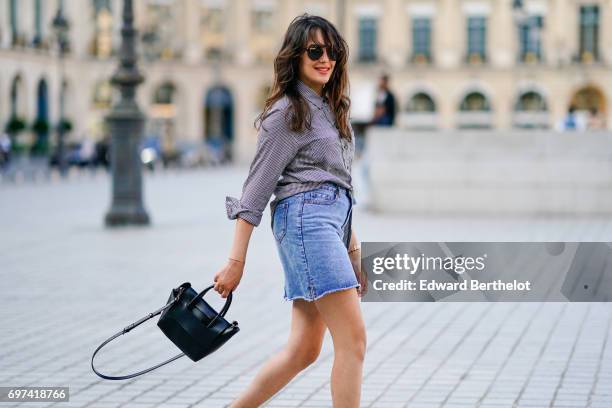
126 215
125 125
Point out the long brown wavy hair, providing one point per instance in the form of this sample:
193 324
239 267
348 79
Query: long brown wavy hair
286 69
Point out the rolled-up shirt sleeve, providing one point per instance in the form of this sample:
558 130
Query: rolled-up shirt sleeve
277 145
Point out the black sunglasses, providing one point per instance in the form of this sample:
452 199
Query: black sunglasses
315 51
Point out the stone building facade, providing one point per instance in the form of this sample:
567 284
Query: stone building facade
208 63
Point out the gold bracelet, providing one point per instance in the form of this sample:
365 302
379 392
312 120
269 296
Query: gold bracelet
354 249
236 260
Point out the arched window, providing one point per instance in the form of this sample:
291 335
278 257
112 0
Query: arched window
42 100
219 122
421 102
41 124
475 112
475 102
589 98
164 94
17 96
531 101
420 113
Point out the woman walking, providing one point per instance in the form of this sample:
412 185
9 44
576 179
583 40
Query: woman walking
304 155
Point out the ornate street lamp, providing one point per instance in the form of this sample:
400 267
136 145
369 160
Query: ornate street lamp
61 27
125 122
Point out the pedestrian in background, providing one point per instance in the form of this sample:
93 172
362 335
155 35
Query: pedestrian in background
384 110
306 139
572 121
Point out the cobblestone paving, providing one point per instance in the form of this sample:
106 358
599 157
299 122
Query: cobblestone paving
68 283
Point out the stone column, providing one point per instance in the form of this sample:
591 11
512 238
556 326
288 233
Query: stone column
446 104
191 32
393 26
191 98
502 34
239 32
563 27
448 34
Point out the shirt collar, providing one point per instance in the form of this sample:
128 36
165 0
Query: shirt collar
308 93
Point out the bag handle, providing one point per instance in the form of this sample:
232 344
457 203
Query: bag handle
223 311
126 330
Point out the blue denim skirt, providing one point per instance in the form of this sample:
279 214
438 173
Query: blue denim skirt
312 234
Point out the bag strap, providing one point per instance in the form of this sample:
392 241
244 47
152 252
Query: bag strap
127 329
223 311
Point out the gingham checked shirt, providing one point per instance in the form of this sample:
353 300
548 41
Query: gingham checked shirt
288 162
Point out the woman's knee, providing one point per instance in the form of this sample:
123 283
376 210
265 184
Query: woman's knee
303 356
360 343
307 332
354 342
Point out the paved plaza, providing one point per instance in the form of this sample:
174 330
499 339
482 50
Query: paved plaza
68 283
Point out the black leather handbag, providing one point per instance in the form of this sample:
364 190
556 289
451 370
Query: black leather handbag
189 322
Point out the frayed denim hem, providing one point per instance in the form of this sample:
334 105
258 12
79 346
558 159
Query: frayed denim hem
357 285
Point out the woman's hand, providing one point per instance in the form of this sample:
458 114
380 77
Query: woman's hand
355 257
228 278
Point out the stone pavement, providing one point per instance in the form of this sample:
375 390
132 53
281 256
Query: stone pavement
68 283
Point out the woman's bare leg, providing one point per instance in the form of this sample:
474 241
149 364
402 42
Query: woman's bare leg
302 349
342 315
